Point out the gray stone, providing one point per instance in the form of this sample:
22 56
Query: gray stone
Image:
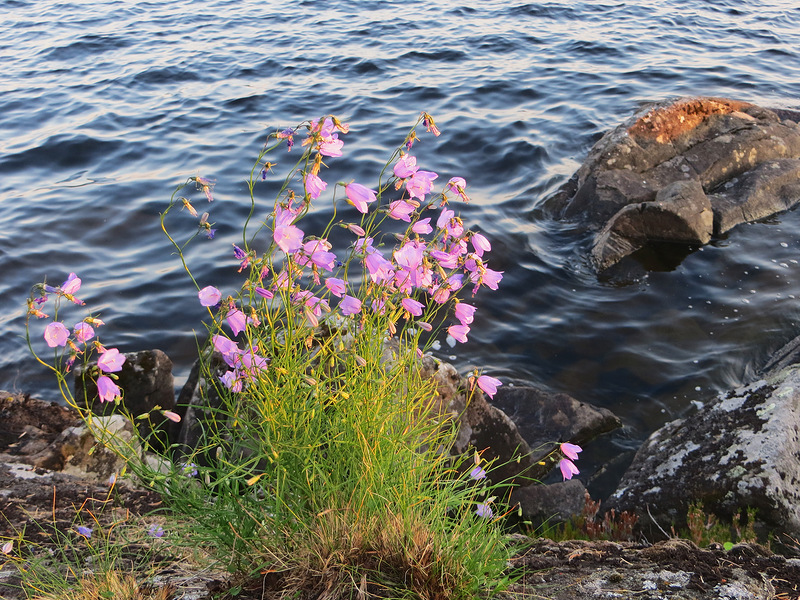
738 452
549 504
545 419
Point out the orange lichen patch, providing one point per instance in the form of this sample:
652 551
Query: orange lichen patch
665 123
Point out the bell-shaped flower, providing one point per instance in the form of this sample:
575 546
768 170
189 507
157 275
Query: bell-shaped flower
458 332
422 227
314 185
111 361
237 320
331 146
480 243
288 237
83 332
209 296
406 166
379 268
421 183
413 307
488 384
336 286
484 511
464 313
401 210
107 390
570 450
359 196
350 305
568 468
55 334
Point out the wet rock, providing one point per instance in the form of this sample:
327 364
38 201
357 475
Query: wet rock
738 452
545 418
147 382
742 156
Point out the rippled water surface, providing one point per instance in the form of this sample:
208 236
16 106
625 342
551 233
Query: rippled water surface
106 106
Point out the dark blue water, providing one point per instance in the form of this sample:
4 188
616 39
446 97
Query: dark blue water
106 106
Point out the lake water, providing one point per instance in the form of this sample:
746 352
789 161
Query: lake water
106 106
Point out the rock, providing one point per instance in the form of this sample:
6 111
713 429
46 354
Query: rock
735 160
738 452
482 427
28 425
147 382
545 419
681 213
196 402
546 505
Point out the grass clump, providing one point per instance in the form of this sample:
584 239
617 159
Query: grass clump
321 454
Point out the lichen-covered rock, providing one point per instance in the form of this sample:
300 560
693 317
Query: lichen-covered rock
740 451
742 156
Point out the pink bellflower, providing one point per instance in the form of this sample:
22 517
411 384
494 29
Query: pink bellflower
107 390
568 468
488 384
570 450
209 296
55 334
359 196
111 361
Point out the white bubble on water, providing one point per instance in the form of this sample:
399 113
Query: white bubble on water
784 244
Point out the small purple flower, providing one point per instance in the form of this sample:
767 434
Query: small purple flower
55 334
189 469
7 548
568 468
209 296
288 135
314 185
484 511
406 166
336 286
422 227
288 237
401 210
421 183
236 320
570 450
480 243
477 473
84 531
414 307
350 305
111 361
359 196
172 416
331 146
464 313
107 390
264 293
83 332
489 385
155 531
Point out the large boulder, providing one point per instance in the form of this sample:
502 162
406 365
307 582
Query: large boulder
740 451
737 162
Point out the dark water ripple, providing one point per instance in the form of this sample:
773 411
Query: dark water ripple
106 106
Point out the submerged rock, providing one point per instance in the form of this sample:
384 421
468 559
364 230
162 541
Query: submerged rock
681 171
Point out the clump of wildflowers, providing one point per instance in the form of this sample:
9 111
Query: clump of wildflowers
322 429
